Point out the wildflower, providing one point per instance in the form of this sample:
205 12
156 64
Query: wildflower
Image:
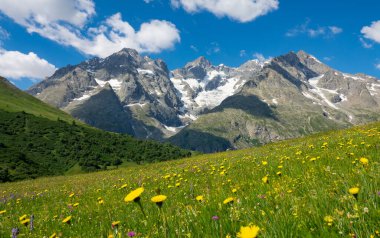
199 198
3 211
265 179
71 195
264 162
25 222
248 232
123 186
115 224
279 173
228 200
159 199
15 232
329 220
364 161
54 235
76 204
134 195
234 190
131 234
67 220
23 217
354 191
215 218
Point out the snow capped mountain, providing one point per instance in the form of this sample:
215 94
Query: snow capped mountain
258 102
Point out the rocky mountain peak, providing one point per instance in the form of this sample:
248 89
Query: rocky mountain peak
199 62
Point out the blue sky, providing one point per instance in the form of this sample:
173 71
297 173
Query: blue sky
36 40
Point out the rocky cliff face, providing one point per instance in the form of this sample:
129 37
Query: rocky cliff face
143 98
211 108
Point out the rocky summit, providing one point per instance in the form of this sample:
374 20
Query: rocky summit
212 108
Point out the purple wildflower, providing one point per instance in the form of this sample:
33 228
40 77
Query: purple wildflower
131 234
215 218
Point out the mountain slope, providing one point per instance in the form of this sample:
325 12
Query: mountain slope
294 188
14 100
289 96
142 87
38 140
212 108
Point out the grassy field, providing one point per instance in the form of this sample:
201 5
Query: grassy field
296 188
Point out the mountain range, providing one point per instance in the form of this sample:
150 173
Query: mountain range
211 108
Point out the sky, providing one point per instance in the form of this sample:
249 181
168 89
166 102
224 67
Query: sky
39 36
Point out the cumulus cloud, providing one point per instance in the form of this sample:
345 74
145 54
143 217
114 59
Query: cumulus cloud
372 32
305 28
238 10
65 22
16 65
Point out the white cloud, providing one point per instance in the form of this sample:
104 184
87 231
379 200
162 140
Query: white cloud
243 53
16 65
4 35
372 32
42 12
239 10
377 66
194 48
65 22
261 58
214 48
365 44
325 31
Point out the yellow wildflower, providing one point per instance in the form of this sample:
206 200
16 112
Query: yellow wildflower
248 232
67 220
364 161
199 198
134 196
229 200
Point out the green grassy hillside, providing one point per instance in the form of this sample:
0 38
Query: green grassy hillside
38 140
15 100
325 185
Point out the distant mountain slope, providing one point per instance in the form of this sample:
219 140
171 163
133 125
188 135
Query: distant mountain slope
212 108
38 140
15 100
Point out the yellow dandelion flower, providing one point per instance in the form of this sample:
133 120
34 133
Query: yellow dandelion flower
71 195
3 211
115 224
199 198
158 198
124 186
234 190
248 232
76 204
264 162
134 196
354 191
329 220
25 222
178 184
364 161
229 200
279 173
23 217
54 235
67 220
265 179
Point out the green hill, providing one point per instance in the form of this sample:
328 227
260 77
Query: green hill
14 100
39 140
325 185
